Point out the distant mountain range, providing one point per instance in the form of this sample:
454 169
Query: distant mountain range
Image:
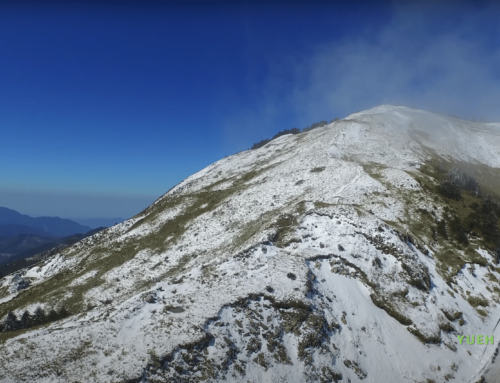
98 222
12 223
16 244
12 229
22 236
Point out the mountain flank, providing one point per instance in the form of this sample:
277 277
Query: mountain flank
95 223
40 252
356 251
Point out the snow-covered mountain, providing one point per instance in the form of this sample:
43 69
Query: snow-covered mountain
327 256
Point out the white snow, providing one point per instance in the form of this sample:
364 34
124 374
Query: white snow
163 298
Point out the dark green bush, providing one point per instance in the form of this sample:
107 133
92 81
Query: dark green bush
450 189
458 231
260 144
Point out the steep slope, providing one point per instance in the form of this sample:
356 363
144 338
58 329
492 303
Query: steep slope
38 253
95 223
325 256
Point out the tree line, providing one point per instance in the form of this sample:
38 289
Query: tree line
482 220
27 320
319 124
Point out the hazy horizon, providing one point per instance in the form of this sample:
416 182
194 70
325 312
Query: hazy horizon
74 206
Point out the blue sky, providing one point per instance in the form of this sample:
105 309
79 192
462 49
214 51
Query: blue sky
105 105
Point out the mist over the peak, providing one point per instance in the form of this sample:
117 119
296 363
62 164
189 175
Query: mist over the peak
438 57
427 57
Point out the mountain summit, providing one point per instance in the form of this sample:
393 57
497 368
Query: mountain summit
359 250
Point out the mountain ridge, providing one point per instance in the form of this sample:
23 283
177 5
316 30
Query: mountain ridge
49 226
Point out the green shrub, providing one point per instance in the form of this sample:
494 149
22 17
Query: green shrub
482 312
389 309
475 301
450 189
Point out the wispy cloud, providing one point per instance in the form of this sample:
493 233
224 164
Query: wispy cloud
433 55
436 58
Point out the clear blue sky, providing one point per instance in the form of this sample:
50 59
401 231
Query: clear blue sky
105 105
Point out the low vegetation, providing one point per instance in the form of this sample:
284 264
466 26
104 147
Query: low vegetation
464 215
265 141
